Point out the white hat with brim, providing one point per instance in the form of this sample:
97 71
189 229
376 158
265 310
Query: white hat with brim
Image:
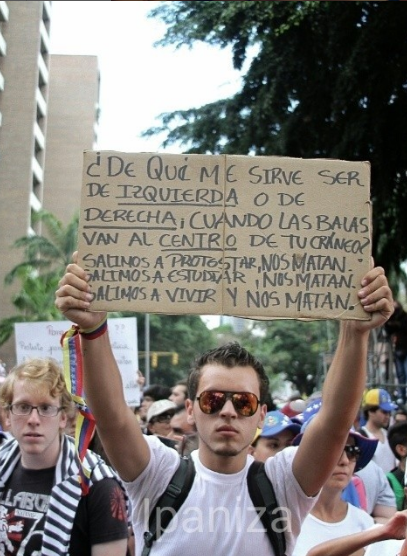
159 407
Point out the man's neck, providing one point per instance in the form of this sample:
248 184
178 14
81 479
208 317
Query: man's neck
43 460
375 430
222 463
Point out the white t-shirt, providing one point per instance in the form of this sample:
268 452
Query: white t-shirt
384 548
218 517
383 455
314 531
377 486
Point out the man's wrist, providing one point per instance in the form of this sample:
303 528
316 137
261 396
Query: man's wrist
94 332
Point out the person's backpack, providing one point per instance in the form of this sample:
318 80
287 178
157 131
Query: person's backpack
260 489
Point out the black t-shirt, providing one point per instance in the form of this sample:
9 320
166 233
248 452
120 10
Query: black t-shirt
100 517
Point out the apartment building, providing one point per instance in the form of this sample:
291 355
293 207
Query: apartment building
73 108
48 110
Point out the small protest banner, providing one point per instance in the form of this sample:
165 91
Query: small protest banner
42 339
260 237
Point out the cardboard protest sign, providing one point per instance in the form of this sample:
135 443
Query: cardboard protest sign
253 236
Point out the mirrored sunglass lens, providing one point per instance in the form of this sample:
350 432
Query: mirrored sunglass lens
244 403
211 402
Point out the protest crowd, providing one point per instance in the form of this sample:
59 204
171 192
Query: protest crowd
96 477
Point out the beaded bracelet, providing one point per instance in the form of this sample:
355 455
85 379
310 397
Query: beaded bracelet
95 332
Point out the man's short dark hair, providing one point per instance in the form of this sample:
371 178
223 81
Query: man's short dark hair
157 392
397 434
229 355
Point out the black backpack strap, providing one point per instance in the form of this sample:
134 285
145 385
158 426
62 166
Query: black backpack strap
362 432
399 474
169 502
263 496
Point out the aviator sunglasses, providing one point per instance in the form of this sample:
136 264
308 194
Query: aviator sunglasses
212 401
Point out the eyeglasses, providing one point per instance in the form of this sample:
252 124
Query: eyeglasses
353 453
163 418
43 410
212 401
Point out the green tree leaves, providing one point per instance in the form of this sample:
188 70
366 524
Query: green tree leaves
44 259
43 264
325 79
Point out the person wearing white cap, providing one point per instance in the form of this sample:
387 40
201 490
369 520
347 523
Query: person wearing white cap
159 415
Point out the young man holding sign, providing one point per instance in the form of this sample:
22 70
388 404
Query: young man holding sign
226 388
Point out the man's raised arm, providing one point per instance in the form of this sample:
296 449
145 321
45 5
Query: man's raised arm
117 425
325 437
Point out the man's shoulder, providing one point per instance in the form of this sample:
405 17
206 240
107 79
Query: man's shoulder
281 463
167 442
8 445
7 440
398 474
161 445
105 486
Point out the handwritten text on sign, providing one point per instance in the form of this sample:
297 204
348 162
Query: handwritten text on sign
259 237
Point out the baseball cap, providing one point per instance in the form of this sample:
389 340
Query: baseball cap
380 397
276 422
159 407
367 445
313 406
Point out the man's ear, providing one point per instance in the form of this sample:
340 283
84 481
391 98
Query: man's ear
189 405
401 450
63 420
263 411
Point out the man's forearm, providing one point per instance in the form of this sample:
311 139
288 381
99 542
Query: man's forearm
117 425
346 379
102 380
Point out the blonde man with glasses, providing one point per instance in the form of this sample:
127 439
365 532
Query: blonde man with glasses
45 508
